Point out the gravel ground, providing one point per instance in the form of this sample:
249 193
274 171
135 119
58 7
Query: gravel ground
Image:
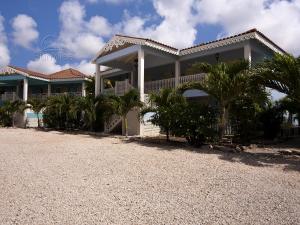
55 178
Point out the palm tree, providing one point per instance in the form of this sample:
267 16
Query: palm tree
61 107
37 105
123 104
9 109
281 73
89 108
225 82
164 105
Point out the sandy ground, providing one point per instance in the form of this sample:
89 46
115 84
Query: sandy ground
55 178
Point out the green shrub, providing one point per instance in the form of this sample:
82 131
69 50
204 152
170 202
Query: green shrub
196 122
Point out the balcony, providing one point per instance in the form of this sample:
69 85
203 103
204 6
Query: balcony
122 87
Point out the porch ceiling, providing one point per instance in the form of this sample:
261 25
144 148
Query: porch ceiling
126 59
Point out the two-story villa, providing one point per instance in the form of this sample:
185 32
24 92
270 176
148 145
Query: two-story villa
148 65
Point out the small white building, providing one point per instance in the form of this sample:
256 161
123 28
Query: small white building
148 65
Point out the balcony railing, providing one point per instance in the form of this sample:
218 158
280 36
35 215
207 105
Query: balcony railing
78 94
154 86
9 96
122 87
38 96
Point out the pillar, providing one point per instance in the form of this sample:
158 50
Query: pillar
25 90
247 53
177 72
97 80
141 83
49 90
141 73
83 91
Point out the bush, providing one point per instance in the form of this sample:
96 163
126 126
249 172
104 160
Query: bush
196 122
271 119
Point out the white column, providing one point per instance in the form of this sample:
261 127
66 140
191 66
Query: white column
177 72
83 91
247 53
97 80
141 73
141 83
49 90
25 90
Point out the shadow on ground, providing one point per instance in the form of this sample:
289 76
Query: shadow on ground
259 157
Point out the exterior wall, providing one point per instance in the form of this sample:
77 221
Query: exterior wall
133 123
135 126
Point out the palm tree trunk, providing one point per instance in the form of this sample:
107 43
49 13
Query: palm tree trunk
38 119
126 125
222 122
168 134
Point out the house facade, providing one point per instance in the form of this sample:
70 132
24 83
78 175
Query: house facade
21 84
148 65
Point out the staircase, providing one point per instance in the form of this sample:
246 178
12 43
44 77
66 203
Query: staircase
112 123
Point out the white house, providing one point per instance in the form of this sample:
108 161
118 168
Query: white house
148 65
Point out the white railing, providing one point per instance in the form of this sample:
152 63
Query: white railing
67 93
38 96
9 96
189 78
121 87
154 86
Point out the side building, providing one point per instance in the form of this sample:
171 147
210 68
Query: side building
21 84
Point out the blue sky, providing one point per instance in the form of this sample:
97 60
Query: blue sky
49 35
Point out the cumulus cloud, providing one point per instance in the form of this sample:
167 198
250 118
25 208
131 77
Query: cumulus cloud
177 27
47 64
4 52
280 20
24 30
81 38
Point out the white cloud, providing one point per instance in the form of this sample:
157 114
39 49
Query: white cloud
4 52
81 38
280 20
47 64
177 28
24 30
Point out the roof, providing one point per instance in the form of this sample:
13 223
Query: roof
60 75
250 34
120 40
29 72
67 74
